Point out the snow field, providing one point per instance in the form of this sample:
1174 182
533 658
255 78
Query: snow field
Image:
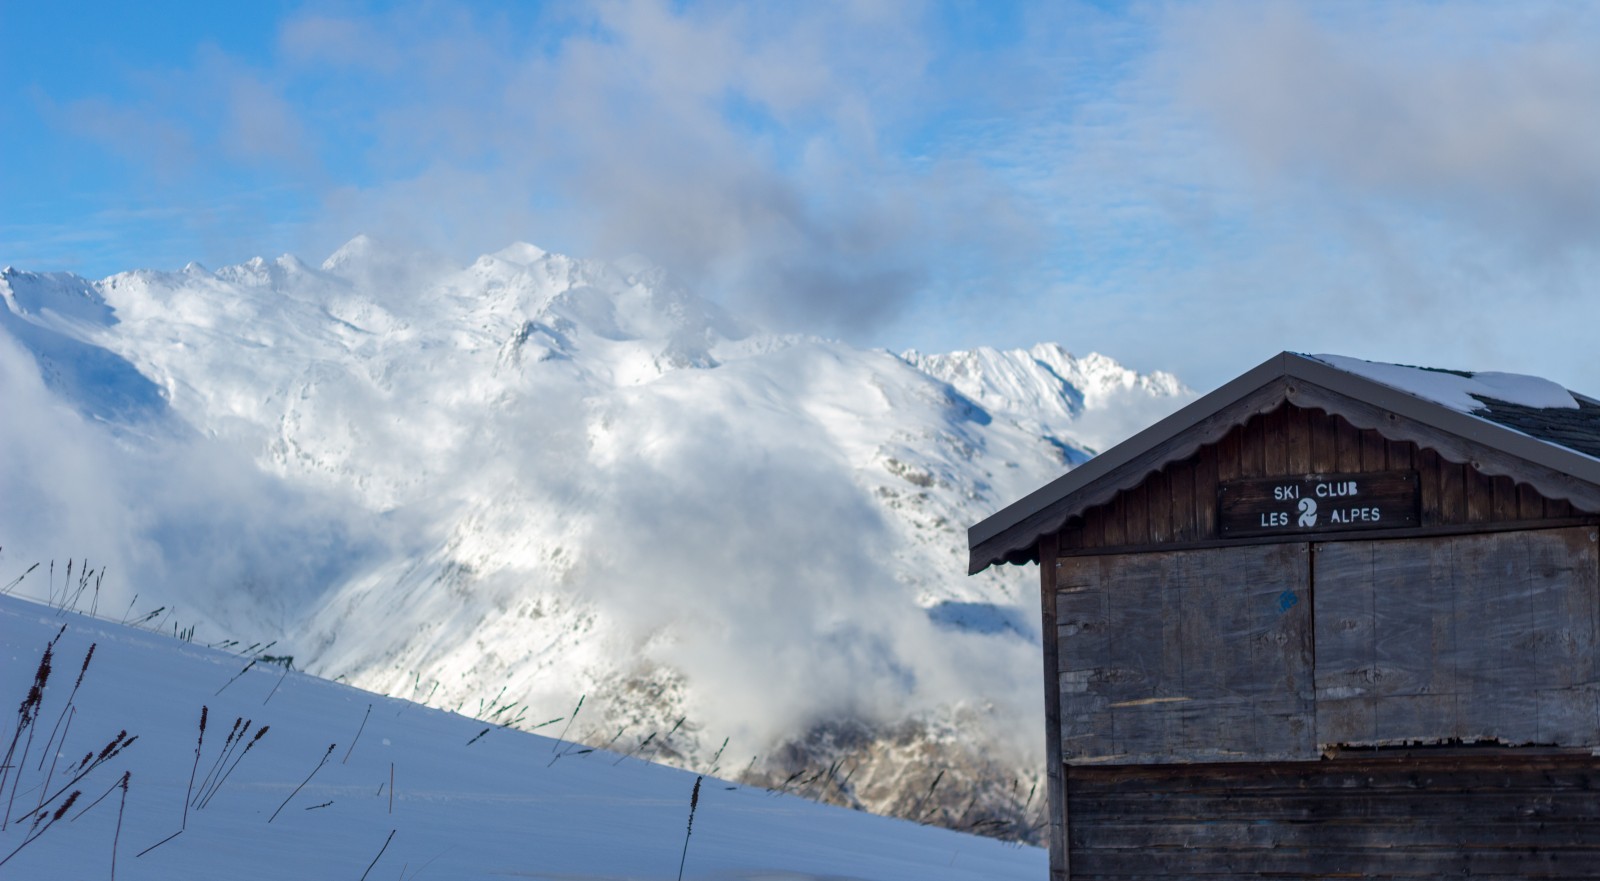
503 804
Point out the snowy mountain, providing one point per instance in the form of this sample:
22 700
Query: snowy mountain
535 480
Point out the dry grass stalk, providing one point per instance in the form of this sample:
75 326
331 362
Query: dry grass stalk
227 744
11 585
288 664
304 782
261 732
110 789
544 723
380 855
237 675
716 759
56 754
88 656
694 802
916 812
638 748
363 727
199 744
568 727
614 737
117 837
90 762
27 715
158 844
37 830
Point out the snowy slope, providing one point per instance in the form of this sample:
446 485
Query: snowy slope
1097 400
534 479
460 805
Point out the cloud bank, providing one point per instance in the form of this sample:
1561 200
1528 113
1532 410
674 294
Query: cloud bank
1403 182
1384 179
188 522
756 152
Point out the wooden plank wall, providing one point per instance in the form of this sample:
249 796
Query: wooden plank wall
1490 629
1469 638
1186 656
1488 817
1178 504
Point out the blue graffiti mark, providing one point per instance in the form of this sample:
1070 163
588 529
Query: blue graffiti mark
1287 600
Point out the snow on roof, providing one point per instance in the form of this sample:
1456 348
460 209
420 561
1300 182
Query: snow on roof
1459 390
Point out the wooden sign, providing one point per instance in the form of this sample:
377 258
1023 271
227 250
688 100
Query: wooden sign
1317 503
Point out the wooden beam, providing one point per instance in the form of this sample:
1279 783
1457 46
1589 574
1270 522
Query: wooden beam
1055 780
1352 535
1508 816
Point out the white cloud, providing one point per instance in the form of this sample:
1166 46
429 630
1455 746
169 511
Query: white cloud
185 520
1401 181
1486 115
756 152
1326 177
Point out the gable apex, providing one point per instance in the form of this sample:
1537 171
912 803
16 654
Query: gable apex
1527 428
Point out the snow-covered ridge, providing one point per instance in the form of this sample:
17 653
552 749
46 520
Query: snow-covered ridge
544 478
1047 385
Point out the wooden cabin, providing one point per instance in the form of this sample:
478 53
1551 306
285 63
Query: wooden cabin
1334 619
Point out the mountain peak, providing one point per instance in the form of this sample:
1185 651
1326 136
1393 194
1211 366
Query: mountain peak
258 270
521 253
64 294
359 250
477 437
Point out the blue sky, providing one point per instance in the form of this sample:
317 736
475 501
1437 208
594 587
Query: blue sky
1190 187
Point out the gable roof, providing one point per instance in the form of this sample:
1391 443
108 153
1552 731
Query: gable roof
1503 424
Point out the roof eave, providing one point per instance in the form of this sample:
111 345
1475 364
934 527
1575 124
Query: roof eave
982 536
1012 534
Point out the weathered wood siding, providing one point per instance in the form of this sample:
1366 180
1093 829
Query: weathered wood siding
1230 654
1178 504
1412 702
1473 638
1185 656
1419 816
1055 771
